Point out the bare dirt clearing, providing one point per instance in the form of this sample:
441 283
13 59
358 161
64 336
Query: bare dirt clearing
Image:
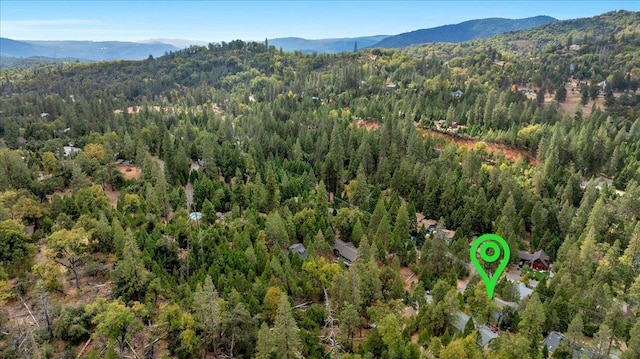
113 196
130 172
410 278
369 125
510 154
573 102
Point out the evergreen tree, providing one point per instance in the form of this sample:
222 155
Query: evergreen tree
349 320
207 308
633 345
379 212
357 232
383 235
507 228
276 231
265 346
532 322
130 277
401 241
285 331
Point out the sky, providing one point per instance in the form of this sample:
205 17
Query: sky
215 21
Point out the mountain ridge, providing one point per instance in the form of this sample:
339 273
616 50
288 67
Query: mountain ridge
329 45
85 50
464 31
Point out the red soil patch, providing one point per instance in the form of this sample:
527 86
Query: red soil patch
510 154
369 125
130 172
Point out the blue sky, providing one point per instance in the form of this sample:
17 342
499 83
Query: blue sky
256 20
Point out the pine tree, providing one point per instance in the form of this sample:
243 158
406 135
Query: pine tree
361 192
383 235
276 231
349 319
379 212
602 340
334 161
401 231
130 277
266 343
631 256
287 341
78 178
574 332
506 227
207 309
633 345
532 323
273 191
322 206
357 232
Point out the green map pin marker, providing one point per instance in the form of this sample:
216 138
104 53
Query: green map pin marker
500 249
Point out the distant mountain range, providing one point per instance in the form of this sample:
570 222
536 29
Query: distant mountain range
179 43
464 31
83 50
14 51
325 45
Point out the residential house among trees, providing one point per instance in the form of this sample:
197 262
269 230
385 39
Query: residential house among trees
538 260
299 249
345 250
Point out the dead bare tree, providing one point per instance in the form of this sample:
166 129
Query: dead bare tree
329 324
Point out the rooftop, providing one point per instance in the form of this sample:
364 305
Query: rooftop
346 250
524 291
486 335
459 321
195 216
553 340
70 150
298 248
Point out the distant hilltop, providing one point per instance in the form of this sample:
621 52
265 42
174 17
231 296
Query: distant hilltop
120 50
83 50
328 46
464 31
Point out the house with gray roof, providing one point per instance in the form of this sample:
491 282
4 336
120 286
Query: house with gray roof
459 321
299 249
486 334
552 341
70 151
345 250
524 291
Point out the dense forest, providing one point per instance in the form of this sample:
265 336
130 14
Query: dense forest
155 208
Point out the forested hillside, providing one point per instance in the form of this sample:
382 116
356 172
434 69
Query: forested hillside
155 208
464 31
